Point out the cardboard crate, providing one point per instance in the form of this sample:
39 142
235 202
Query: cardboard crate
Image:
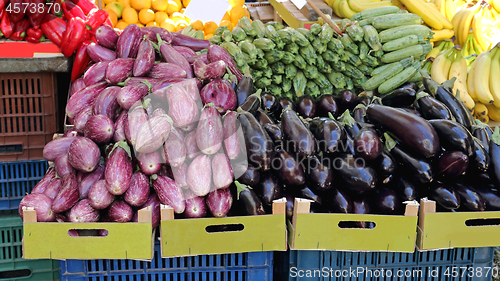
392 233
294 17
50 240
442 230
188 237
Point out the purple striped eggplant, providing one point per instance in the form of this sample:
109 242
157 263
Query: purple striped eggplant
98 53
53 188
219 202
190 42
63 166
100 129
96 73
84 154
152 34
106 36
145 58
57 147
119 70
203 57
149 163
136 80
99 196
209 132
174 151
84 99
107 103
195 206
169 193
83 212
181 108
86 183
67 196
186 52
42 205
77 86
159 88
222 172
165 70
136 118
180 175
72 132
199 175
153 202
192 149
82 118
212 70
172 56
221 93
192 87
216 53
41 186
153 134
119 134
233 135
128 42
159 112
119 169
138 192
120 211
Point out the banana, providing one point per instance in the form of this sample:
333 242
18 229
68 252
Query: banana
465 23
495 78
477 29
450 9
432 6
438 67
493 112
475 45
496 5
436 50
480 110
336 8
397 3
470 59
358 7
466 48
456 22
442 8
470 78
442 34
418 7
439 4
458 69
481 78
345 9
442 19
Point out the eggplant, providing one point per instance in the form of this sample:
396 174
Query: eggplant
306 107
216 53
469 197
128 42
82 118
480 132
320 176
199 175
152 134
297 135
100 129
386 201
138 192
263 117
84 99
480 159
259 146
413 131
119 128
360 206
174 151
274 132
222 172
401 97
431 108
340 202
120 211
289 169
106 36
410 110
195 206
326 104
367 144
118 173
145 58
219 202
233 135
95 74
152 32
86 183
180 175
172 56
84 154
83 212
348 145
359 113
385 165
209 132
169 193
491 197
350 125
356 175
186 52
284 103
329 134
347 100
41 186
250 177
41 204
451 164
269 102
119 70
181 108
165 70
308 193
202 57
290 200
192 149
98 53
268 189
410 85
251 103
67 196
207 72
63 166
130 94
190 42
71 132
250 201
494 170
453 136
106 103
53 188
445 196
415 168
406 190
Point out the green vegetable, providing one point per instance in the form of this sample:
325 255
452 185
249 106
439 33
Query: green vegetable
299 62
277 79
372 37
337 79
299 38
264 44
352 71
288 58
415 51
395 20
370 61
239 34
322 81
366 70
323 66
261 64
344 23
375 12
259 28
235 52
268 72
249 49
319 45
326 33
315 29
219 31
244 23
274 56
215 40
388 72
338 66
287 85
308 54
353 59
256 74
312 89
349 45
335 45
400 78
358 83
355 32
401 31
262 83
290 71
330 56
307 33
271 34
311 72
275 24
379 53
363 50
292 48
275 90
350 85
227 36
278 68
299 84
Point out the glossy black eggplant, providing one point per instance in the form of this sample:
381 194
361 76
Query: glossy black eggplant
327 104
350 125
348 145
470 198
308 193
410 110
413 131
252 103
480 159
367 144
249 200
320 176
417 169
453 136
268 189
385 201
259 146
340 202
491 197
482 132
431 108
250 177
244 89
263 117
329 134
385 165
406 190
306 107
274 131
445 196
356 174
494 170
401 97
451 164
365 99
359 113
300 139
347 100
284 103
409 85
290 200
361 206
289 170
269 102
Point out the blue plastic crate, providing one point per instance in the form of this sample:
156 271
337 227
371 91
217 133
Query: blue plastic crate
18 179
256 266
430 266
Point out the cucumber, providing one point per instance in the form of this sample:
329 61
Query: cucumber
390 21
387 73
374 12
400 78
414 51
337 79
401 31
299 84
352 71
403 42
372 37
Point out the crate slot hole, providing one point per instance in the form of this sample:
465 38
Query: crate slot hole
13 148
357 224
88 232
224 228
15 274
482 222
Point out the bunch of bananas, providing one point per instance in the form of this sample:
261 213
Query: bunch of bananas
471 46
347 8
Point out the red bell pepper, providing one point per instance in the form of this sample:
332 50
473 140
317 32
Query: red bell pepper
2 3
36 12
96 18
2 11
34 35
55 8
74 35
20 30
86 5
54 28
6 26
71 10
17 10
82 59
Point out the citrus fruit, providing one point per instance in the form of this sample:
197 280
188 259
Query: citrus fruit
152 23
112 16
146 16
208 36
235 3
173 7
125 3
159 5
121 25
160 17
198 25
237 13
168 24
130 16
140 4
209 27
227 23
185 3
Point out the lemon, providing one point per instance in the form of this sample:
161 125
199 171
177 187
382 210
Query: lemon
106 2
159 5
173 7
160 17
112 16
180 25
235 3
185 3
237 13
198 25
121 25
140 4
226 17
130 16
146 16
209 27
115 7
139 24
125 3
227 23
168 24
150 24
208 36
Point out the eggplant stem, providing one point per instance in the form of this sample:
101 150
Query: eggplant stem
496 136
390 143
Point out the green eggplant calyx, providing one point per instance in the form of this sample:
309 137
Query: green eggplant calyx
240 188
150 86
145 103
359 106
330 115
347 119
390 143
480 124
449 83
496 136
154 177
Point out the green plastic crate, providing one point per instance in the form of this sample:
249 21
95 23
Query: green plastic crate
12 265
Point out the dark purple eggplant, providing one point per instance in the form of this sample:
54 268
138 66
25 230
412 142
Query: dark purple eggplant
359 113
145 58
290 200
128 42
320 175
308 193
483 133
250 177
385 165
269 102
274 131
349 124
360 206
306 107
357 176
263 117
348 145
364 98
98 53
329 134
284 103
401 97
410 110
445 196
453 136
367 144
106 36
494 170
300 139
259 146
327 104
340 202
190 42
451 164
490 195
152 33
469 197
385 201
289 168
268 189
415 168
250 201
406 190
251 103
410 85
415 132
431 108
347 100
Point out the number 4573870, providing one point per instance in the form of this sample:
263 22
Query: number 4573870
32 8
